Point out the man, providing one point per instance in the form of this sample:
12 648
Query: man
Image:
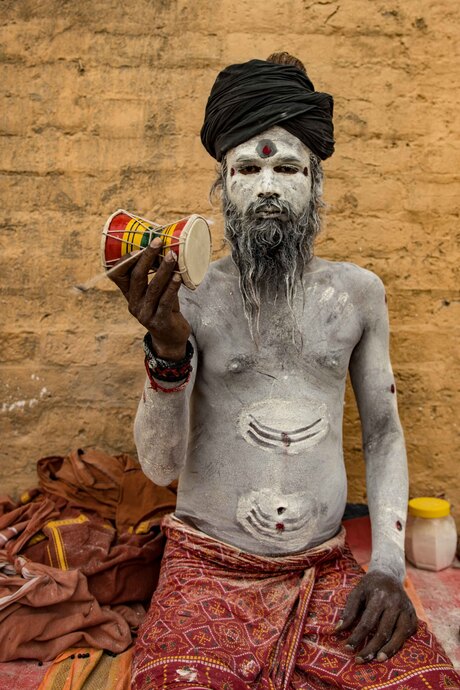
244 403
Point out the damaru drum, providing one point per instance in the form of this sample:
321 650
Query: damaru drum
189 238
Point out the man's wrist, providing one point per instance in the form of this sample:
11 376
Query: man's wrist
167 353
396 570
164 374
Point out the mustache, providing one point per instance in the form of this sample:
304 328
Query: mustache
271 204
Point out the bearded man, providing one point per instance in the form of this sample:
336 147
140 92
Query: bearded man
244 403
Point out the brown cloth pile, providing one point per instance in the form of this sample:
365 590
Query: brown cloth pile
80 556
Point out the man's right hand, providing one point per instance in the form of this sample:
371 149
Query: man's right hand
155 304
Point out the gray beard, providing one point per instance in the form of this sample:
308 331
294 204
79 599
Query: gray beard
270 253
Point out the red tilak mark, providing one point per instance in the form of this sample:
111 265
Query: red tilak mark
398 526
392 388
280 526
232 172
286 439
266 150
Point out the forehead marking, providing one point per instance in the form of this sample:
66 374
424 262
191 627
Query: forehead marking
266 148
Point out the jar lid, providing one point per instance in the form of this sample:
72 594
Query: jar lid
427 507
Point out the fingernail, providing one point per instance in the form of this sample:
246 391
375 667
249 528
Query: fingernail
171 256
350 647
176 278
381 656
359 660
157 242
339 624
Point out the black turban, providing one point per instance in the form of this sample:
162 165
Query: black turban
249 98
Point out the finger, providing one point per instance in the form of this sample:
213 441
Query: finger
139 275
120 273
351 610
382 636
175 306
368 623
405 627
123 266
160 281
169 297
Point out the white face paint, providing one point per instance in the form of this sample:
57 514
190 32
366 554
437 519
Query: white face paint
272 163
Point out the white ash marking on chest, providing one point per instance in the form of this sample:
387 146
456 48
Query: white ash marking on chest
284 426
327 294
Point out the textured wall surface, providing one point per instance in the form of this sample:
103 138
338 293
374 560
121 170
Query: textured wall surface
102 104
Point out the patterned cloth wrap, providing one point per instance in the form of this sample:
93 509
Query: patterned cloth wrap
228 620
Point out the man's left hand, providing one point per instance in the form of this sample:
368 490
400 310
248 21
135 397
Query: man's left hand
385 616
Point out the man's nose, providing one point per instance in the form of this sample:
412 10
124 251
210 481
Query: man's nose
267 186
268 194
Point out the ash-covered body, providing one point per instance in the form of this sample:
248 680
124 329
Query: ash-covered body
255 436
263 468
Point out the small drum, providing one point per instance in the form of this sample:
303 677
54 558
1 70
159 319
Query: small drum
189 238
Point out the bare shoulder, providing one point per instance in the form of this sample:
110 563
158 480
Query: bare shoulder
359 282
363 287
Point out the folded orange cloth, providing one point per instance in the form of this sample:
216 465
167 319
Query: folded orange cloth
18 526
113 486
91 535
44 610
6 504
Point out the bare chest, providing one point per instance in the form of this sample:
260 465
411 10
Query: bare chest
314 340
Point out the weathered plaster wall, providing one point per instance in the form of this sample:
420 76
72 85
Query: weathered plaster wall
101 107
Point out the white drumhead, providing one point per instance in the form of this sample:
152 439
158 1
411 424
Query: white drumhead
195 253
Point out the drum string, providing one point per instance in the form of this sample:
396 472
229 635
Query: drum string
175 243
115 266
148 223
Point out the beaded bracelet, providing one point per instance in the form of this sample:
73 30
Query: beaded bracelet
164 371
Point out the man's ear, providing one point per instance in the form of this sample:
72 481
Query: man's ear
224 170
320 187
316 174
219 184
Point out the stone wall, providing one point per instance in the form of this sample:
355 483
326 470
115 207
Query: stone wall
102 105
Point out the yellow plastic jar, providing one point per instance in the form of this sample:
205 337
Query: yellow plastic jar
431 535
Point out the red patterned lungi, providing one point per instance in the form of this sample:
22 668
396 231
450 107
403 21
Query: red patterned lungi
225 619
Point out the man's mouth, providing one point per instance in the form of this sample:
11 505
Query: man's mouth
270 212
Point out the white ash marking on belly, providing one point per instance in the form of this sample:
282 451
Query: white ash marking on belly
284 426
277 518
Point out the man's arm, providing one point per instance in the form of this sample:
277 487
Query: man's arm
161 429
387 610
383 441
162 421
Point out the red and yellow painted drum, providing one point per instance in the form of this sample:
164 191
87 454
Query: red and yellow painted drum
189 238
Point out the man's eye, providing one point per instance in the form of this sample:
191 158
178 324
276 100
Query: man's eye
285 169
249 170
